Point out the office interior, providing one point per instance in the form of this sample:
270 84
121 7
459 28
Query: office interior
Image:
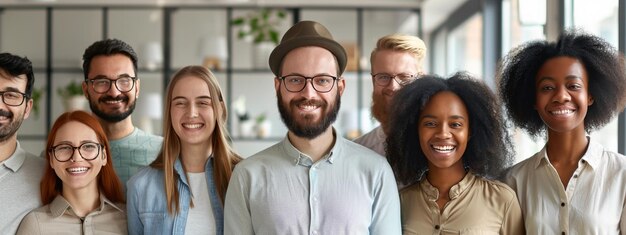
461 35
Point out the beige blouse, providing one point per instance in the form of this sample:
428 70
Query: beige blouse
476 206
58 218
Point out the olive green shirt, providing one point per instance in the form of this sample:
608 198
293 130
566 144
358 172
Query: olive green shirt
476 206
58 218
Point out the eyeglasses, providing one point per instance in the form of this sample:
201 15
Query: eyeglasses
384 79
103 85
13 98
64 152
297 83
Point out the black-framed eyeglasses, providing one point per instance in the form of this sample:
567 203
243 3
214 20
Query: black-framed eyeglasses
103 85
13 98
64 152
384 79
297 83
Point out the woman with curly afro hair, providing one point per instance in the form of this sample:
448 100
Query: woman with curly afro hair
566 89
447 142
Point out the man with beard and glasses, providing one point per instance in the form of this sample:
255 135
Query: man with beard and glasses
20 171
314 181
396 61
112 87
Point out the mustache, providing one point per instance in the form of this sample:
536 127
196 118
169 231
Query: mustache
304 101
122 98
4 113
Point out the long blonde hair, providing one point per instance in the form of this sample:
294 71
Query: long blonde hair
224 156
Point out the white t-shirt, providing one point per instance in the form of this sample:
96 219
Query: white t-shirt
200 219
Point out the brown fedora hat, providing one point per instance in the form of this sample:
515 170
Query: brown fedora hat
307 33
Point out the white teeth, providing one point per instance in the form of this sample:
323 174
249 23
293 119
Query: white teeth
113 101
193 126
562 112
77 169
308 107
445 148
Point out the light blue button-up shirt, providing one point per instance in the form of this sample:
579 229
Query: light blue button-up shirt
280 190
147 204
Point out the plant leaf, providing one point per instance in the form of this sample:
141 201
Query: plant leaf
238 21
274 36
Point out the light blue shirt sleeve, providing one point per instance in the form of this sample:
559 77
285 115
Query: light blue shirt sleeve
237 218
132 214
386 207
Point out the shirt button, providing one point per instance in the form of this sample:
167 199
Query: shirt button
575 176
437 227
314 232
562 204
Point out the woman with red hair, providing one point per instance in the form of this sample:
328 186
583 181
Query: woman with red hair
80 190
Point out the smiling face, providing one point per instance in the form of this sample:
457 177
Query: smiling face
562 94
443 129
191 110
113 105
393 63
309 113
11 117
77 173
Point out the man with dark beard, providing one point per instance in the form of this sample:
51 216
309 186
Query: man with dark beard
20 171
314 181
396 61
112 87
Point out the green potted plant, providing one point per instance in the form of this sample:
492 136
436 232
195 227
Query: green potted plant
261 27
72 95
36 97
263 126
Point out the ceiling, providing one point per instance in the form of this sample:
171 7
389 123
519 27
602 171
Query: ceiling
434 11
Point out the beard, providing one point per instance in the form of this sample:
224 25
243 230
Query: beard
9 129
303 125
380 109
111 117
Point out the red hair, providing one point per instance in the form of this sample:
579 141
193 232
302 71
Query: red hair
108 182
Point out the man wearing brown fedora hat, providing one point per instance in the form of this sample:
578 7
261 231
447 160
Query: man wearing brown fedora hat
314 181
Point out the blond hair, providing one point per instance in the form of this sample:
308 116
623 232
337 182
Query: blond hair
402 43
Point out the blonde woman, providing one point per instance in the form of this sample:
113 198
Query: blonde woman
182 192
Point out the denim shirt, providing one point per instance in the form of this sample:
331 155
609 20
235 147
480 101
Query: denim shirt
147 204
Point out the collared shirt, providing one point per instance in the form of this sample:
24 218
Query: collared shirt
20 175
280 190
593 202
147 203
133 152
476 206
59 218
374 140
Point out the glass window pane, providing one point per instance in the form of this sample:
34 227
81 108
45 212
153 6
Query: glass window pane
465 49
28 39
125 25
72 32
604 23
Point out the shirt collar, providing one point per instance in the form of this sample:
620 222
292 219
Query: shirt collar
59 205
16 160
592 155
302 159
456 189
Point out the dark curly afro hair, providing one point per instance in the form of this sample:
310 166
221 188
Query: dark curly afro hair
605 69
489 150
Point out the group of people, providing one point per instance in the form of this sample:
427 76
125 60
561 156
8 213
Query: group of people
439 163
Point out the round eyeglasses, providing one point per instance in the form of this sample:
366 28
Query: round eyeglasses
103 85
13 98
64 152
297 83
384 79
